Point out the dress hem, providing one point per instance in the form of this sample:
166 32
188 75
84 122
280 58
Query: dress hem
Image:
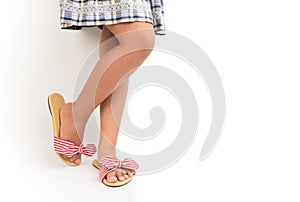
158 29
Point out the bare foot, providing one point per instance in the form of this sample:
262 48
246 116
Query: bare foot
119 174
68 130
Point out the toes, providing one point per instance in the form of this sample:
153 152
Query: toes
111 177
130 174
69 159
124 173
120 175
117 175
76 159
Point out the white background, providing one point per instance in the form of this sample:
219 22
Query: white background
255 46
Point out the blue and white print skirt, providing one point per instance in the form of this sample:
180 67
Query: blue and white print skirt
75 14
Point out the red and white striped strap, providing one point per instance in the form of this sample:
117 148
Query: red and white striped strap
109 164
69 149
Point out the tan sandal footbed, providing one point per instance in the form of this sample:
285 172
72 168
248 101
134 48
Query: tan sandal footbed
55 103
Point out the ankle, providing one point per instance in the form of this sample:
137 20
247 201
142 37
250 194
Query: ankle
106 152
81 114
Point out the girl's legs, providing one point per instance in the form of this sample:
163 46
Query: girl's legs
111 111
109 75
68 130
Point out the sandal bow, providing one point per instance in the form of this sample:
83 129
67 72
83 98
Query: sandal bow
109 164
69 148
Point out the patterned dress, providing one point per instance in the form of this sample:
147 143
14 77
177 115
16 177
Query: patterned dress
75 14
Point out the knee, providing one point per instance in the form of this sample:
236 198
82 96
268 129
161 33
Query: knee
142 40
146 40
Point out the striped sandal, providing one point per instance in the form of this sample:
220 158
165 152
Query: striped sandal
108 164
65 147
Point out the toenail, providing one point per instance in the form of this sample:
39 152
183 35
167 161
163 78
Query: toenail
113 178
77 161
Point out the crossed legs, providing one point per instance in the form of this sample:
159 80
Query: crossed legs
123 48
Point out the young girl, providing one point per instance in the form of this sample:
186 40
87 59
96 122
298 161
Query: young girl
132 24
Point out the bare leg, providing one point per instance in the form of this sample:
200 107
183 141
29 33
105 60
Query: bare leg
116 66
68 130
110 118
110 73
111 111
